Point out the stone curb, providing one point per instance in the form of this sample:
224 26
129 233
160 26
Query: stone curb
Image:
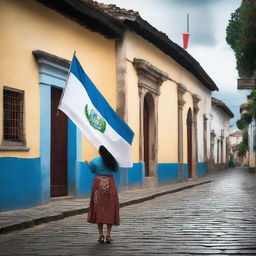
147 198
69 213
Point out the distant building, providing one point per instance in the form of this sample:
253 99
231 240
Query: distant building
235 139
220 144
251 131
252 144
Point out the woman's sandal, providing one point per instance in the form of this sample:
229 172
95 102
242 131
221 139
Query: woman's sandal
101 239
108 239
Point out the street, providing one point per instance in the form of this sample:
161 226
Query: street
218 218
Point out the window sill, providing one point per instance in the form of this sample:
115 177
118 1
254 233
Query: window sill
13 148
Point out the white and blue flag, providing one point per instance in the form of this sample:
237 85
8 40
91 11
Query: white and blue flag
87 108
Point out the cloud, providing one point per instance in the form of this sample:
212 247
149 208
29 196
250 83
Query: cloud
233 101
202 28
201 19
170 17
208 22
194 3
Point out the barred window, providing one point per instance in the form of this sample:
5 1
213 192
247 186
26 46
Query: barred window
13 121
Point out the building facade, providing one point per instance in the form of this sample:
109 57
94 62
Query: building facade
153 84
250 132
235 138
252 144
220 131
165 95
42 153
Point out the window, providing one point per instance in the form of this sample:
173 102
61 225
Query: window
13 117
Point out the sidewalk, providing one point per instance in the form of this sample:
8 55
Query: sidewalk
61 208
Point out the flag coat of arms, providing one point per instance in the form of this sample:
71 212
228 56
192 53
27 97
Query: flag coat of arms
82 102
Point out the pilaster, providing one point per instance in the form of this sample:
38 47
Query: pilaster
196 100
181 102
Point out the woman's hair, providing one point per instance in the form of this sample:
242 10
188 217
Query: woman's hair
108 159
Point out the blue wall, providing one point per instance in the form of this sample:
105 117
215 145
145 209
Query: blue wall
84 180
201 169
136 174
121 179
168 172
185 172
20 183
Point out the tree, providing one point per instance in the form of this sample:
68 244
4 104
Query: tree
241 36
248 115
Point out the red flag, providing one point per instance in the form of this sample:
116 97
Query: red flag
185 40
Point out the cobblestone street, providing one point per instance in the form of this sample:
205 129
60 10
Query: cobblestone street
217 218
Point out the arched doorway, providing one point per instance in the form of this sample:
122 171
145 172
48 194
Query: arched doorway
189 142
149 134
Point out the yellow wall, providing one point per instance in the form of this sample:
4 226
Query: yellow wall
137 47
26 26
168 123
134 110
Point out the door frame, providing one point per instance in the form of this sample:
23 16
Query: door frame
150 79
53 72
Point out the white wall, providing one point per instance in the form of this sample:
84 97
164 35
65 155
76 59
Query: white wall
251 142
219 121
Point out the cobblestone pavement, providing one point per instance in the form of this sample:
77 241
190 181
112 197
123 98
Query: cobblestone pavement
61 208
217 218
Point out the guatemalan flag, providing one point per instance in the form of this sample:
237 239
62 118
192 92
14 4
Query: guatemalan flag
87 108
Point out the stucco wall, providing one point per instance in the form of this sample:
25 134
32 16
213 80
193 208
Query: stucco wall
219 122
252 143
137 47
26 26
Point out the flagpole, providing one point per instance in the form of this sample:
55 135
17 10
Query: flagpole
187 22
57 113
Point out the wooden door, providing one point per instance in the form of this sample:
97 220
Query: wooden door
58 147
146 135
189 142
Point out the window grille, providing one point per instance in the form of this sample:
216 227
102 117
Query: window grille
13 130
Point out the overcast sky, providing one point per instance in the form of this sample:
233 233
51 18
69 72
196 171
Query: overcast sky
208 20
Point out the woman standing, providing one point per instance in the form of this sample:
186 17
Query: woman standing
104 202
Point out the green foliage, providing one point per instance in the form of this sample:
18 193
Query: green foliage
241 36
241 124
233 29
243 146
252 104
242 149
250 114
247 117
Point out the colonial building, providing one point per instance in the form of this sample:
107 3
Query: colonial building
220 145
165 95
154 85
42 153
235 138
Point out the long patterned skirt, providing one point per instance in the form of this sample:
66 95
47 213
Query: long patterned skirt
104 203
